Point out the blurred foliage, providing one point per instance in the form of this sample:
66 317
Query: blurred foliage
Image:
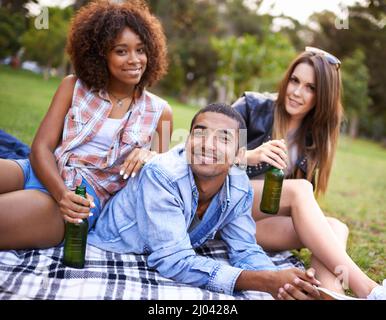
355 77
245 64
46 46
188 25
12 26
365 31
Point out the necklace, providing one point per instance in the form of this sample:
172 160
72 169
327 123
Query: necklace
120 100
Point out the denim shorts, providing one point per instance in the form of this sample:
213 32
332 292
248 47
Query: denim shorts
32 182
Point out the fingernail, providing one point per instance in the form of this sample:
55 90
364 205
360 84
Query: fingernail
92 204
286 286
125 176
133 174
121 172
296 281
91 214
80 220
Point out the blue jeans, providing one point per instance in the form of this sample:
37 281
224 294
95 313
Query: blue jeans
31 182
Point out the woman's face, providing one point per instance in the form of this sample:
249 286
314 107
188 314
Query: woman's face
127 58
300 95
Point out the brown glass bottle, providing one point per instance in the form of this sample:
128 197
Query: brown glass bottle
75 239
270 199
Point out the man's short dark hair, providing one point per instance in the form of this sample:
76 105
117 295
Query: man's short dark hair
224 109
228 111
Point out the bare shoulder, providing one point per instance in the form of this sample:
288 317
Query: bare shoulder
68 83
62 99
167 112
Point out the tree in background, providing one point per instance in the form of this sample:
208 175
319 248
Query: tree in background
13 23
246 64
47 46
367 32
188 26
220 46
355 76
16 6
12 26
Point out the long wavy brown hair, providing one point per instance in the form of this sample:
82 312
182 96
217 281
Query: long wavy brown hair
321 126
94 29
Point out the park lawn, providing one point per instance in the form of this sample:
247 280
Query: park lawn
356 195
357 187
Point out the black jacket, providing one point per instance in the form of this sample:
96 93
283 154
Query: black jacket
257 111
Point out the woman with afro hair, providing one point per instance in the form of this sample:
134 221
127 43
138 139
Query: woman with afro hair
100 129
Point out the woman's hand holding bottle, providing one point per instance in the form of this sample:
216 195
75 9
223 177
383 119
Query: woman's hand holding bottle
273 152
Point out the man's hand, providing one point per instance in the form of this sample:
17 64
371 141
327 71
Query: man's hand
287 284
301 287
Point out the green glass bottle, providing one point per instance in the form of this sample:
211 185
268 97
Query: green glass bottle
75 239
273 182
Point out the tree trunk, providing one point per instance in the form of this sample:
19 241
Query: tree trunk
353 126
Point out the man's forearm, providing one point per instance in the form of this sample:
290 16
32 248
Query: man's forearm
255 280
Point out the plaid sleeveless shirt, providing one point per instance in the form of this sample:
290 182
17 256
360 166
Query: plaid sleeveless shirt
85 117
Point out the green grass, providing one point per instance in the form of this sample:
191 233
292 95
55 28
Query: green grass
24 99
357 187
356 195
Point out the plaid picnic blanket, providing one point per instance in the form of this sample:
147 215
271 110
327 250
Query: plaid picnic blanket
40 274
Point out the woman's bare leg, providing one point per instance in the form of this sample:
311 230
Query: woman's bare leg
314 232
278 233
329 279
29 219
11 176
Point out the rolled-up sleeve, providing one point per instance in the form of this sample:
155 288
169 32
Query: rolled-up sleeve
161 222
239 235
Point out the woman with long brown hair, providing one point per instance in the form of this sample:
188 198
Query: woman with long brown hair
297 131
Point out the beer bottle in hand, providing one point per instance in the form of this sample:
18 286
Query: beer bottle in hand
75 239
270 200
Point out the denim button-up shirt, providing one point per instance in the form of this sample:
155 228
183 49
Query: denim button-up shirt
152 214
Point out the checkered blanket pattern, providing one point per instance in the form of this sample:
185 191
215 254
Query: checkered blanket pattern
40 274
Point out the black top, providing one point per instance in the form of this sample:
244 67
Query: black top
257 110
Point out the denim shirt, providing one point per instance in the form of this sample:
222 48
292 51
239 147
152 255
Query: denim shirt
152 214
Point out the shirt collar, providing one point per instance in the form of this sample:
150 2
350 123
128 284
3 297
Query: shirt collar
102 93
223 196
139 103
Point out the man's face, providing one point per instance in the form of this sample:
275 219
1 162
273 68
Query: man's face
212 145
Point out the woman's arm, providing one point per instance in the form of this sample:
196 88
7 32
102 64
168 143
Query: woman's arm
42 153
164 130
139 156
